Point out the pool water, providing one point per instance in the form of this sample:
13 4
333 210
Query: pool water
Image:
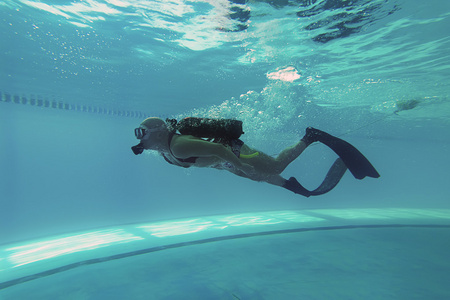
76 78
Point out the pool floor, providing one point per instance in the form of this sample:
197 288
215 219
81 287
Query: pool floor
347 255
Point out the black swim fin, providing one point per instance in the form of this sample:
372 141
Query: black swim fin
333 177
355 161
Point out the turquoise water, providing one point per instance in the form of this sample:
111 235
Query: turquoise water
76 77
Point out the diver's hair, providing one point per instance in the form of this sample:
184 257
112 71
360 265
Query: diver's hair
153 123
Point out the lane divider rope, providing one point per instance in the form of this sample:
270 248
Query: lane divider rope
39 101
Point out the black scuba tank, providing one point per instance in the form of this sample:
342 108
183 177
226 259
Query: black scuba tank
208 128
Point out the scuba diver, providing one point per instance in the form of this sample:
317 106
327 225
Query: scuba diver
215 143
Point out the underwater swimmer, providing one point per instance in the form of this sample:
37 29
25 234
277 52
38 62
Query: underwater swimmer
186 150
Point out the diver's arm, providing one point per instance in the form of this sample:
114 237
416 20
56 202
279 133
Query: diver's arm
185 147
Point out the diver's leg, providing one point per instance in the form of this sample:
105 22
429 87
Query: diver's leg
288 155
274 179
269 165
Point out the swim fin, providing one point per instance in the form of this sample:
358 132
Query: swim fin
355 161
333 177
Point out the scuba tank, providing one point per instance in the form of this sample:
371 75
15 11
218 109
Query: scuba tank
226 129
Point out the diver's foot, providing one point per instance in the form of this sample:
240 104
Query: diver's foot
312 135
294 186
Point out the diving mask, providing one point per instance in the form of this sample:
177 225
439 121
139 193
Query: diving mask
142 133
